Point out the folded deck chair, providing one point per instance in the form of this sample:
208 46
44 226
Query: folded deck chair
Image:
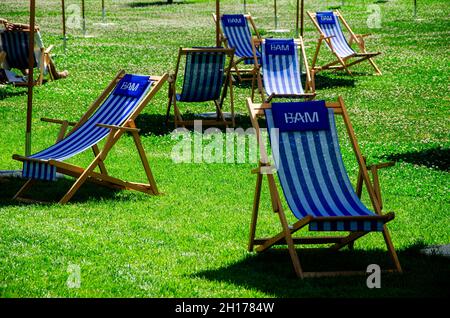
15 46
281 71
205 79
236 33
110 116
327 23
310 169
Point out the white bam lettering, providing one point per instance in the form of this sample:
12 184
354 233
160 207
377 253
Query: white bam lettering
293 118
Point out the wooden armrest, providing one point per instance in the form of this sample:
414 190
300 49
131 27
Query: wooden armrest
58 121
47 50
171 78
113 127
363 35
381 165
327 37
264 170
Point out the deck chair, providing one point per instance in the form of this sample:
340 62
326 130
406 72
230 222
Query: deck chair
236 33
308 162
14 45
205 79
327 23
110 116
279 76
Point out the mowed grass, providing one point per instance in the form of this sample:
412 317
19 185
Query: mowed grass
191 241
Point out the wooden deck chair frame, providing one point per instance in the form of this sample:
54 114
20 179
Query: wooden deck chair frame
342 63
236 69
286 235
257 77
228 84
88 174
45 58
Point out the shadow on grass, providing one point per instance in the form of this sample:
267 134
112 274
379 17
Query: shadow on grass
52 192
437 158
323 81
155 3
272 273
6 92
155 123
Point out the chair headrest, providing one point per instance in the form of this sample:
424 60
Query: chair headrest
326 17
132 85
279 46
300 116
233 20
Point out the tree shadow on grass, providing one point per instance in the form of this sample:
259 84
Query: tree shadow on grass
437 158
155 3
272 273
52 192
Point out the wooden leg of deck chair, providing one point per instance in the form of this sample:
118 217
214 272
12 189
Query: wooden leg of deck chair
112 139
391 249
359 184
144 160
24 188
220 115
81 179
349 240
101 165
253 86
316 54
290 243
233 121
255 212
345 66
177 114
376 185
238 73
168 109
377 70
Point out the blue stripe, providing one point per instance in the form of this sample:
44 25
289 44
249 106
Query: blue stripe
15 44
203 76
314 180
340 44
115 110
281 72
239 38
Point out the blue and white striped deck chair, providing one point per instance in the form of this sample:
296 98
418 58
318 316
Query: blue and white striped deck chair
110 116
310 169
281 72
205 79
327 23
235 29
15 44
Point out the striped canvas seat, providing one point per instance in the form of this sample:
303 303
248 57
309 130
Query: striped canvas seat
203 76
328 22
280 67
237 32
313 176
15 44
115 110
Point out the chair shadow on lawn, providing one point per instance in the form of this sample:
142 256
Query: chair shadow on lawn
7 92
272 273
52 192
323 80
436 158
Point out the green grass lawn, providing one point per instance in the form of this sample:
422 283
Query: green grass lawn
191 241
